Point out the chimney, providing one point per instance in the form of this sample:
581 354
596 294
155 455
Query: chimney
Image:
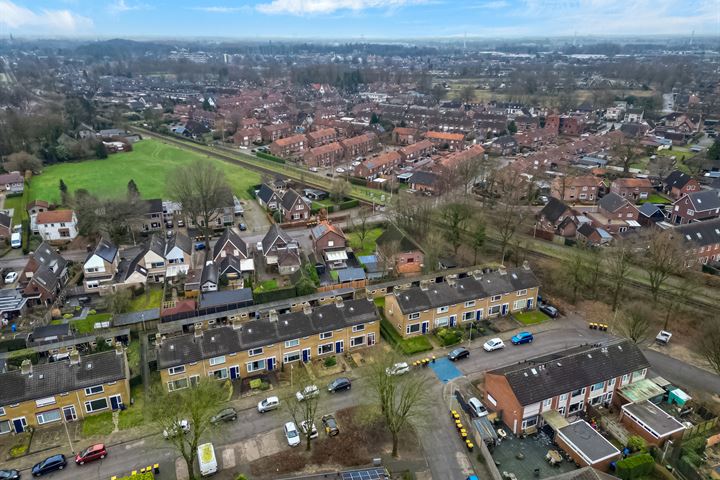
119 350
477 274
74 357
339 303
26 367
273 315
526 265
236 323
307 309
502 270
198 330
425 284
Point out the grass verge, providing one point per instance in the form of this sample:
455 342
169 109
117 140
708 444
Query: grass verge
87 325
368 246
98 424
532 317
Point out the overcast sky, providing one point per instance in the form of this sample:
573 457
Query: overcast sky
354 19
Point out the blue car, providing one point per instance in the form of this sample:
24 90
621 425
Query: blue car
200 246
522 337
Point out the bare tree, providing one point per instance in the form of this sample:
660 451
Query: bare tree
360 223
665 256
466 94
412 213
196 405
635 322
575 271
454 217
478 237
202 190
339 189
617 263
303 409
681 290
508 214
710 344
625 152
433 248
400 399
21 162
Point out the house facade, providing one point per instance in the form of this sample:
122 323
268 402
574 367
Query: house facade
679 183
702 240
326 155
382 164
270 133
696 207
454 141
101 266
633 189
418 310
44 276
57 226
405 135
293 207
416 151
289 147
322 136
12 182
583 189
615 214
359 145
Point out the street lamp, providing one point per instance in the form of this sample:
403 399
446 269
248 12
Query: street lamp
67 432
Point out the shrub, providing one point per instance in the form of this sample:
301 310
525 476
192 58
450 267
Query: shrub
635 467
695 444
348 204
92 312
264 386
692 458
68 315
18 450
636 443
255 383
330 362
267 156
240 476
448 336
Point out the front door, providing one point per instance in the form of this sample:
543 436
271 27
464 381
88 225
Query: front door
69 413
115 402
306 355
234 372
371 339
339 346
19 424
530 304
505 309
271 364
453 320
479 314
425 326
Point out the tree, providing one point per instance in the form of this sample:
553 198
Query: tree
101 150
374 119
665 256
411 213
197 405
512 127
454 216
202 190
438 92
478 238
575 270
713 153
710 343
132 190
400 399
635 322
339 189
466 94
302 411
119 302
360 225
63 192
22 162
433 249
678 292
617 263
625 152
507 213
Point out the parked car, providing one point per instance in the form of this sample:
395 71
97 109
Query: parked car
50 464
169 233
477 408
11 277
308 392
291 434
314 169
92 453
522 337
207 460
9 475
181 222
398 369
304 427
270 403
459 353
330 424
663 338
199 246
242 227
548 310
493 344
169 224
339 384
181 426
340 170
224 415
15 240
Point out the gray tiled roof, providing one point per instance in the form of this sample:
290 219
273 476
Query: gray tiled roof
210 273
275 233
60 377
705 200
587 473
568 370
677 179
181 241
701 233
612 202
234 239
290 198
553 210
225 297
257 333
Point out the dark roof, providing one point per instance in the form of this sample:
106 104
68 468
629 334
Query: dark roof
51 331
705 200
649 209
5 220
553 210
60 377
179 240
465 289
588 442
394 234
423 178
234 239
654 417
128 266
229 264
156 244
677 179
51 266
275 233
106 250
701 233
265 193
184 349
290 198
154 205
612 202
586 229
210 273
587 473
350 274
226 297
543 377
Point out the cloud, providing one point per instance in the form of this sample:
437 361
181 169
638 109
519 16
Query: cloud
120 6
243 8
310 7
48 21
493 5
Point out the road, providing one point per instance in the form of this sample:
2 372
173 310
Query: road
442 449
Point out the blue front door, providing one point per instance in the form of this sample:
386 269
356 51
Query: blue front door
19 424
530 304
425 326
306 355
453 320
234 372
505 309
271 364
339 346
115 402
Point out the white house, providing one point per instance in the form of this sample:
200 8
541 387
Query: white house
178 255
57 225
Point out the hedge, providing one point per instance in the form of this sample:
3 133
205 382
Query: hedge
267 156
357 181
635 467
348 204
139 476
275 295
388 333
251 190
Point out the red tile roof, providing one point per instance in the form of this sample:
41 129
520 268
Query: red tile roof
54 216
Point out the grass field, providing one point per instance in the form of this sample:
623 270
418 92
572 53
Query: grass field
145 301
368 246
531 317
148 164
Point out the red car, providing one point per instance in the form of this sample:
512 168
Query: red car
91 454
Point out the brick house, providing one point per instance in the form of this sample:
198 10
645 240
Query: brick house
293 207
12 182
586 446
405 135
329 243
553 214
583 189
564 382
325 155
269 197
396 251
427 182
457 301
678 184
321 137
276 243
651 423
696 207
359 145
633 189
382 164
270 133
565 125
152 220
289 147
44 276
416 151
454 141
475 153
247 137
702 239
615 214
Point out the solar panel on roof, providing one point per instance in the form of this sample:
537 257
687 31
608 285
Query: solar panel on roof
370 474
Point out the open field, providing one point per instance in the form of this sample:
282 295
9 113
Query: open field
148 164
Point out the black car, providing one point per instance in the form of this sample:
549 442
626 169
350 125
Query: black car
459 353
339 384
9 475
242 227
50 464
548 310
225 415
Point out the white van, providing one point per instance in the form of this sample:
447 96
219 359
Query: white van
207 460
15 240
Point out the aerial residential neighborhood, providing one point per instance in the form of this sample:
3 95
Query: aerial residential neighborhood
359 240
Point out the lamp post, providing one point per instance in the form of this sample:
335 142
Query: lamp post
67 432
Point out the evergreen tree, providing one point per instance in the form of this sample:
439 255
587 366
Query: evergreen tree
101 151
63 192
132 190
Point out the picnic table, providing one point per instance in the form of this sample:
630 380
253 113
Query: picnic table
553 457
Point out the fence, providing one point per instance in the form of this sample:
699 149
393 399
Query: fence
700 428
488 459
335 286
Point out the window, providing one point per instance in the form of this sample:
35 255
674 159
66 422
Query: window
255 351
561 411
176 370
414 316
2 411
611 383
194 380
468 316
48 417
4 427
625 378
292 343
256 365
325 349
178 384
42 402
563 398
575 407
442 309
596 400
221 374
357 341
690 213
547 403
529 422
93 390
331 243
469 304
291 357
325 335
358 328
519 304
414 328
494 310
579 391
217 360
521 293
597 386
495 298
95 405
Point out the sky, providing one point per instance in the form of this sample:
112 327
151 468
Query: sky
356 19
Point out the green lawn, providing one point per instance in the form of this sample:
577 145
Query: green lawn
18 204
656 198
98 424
148 164
135 414
87 325
414 345
133 357
266 286
531 317
368 246
151 298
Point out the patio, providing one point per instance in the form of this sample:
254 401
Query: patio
532 463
